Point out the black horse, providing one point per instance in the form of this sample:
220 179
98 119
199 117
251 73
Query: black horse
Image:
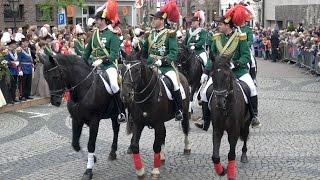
229 112
142 87
191 66
90 102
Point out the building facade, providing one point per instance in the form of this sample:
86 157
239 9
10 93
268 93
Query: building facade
29 12
284 12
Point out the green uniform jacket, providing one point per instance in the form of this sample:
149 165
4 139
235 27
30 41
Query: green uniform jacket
79 47
199 41
209 39
48 50
97 42
241 53
164 47
248 30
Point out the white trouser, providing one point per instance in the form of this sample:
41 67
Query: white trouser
248 80
253 62
203 93
204 57
245 78
173 77
113 78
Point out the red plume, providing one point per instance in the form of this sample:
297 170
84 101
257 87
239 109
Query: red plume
238 14
111 11
172 11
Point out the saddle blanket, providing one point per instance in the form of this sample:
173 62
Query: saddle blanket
183 94
106 85
243 93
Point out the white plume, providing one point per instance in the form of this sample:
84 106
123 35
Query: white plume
90 22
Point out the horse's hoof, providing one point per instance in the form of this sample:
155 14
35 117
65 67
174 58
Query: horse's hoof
244 158
129 151
95 159
87 175
155 176
112 156
187 152
142 177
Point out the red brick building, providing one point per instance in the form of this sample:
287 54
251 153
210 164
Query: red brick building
28 12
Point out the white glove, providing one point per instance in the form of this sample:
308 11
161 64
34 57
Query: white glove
97 62
16 63
232 65
20 73
204 78
135 41
192 47
158 63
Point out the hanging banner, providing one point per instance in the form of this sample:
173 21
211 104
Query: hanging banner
125 11
70 11
139 4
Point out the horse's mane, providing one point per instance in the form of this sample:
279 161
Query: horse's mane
71 60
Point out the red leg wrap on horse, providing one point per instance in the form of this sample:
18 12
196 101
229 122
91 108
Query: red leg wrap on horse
218 168
231 171
66 96
157 162
137 161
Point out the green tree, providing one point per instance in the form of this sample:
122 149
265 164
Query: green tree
49 5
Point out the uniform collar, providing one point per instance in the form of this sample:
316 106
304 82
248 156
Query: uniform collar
230 34
159 30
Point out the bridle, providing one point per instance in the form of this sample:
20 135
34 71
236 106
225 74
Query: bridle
59 93
221 93
128 71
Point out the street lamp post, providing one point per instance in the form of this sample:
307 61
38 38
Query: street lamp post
14 8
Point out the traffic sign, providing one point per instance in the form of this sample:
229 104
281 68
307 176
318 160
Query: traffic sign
61 19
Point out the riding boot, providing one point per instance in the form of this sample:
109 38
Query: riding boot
254 103
122 113
206 117
178 102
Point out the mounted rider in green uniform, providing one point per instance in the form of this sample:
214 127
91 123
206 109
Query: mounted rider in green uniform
103 47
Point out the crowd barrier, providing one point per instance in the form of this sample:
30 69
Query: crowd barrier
302 57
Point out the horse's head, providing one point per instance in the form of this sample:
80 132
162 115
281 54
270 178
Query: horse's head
134 77
222 80
54 75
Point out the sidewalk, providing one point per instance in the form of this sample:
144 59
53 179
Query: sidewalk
24 104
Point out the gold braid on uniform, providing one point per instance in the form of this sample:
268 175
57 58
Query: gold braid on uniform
158 44
233 46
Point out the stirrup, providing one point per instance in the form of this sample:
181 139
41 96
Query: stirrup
122 118
179 116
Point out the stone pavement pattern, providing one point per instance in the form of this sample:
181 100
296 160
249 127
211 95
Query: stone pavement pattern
35 142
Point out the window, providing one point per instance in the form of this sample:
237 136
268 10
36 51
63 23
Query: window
8 14
44 14
91 10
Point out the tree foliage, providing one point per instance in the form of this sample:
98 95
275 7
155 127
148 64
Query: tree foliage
48 6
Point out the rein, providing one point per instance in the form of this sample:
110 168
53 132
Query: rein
145 88
60 68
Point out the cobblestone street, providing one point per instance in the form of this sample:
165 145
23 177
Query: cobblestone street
35 143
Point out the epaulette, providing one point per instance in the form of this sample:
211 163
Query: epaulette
172 33
242 36
215 36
